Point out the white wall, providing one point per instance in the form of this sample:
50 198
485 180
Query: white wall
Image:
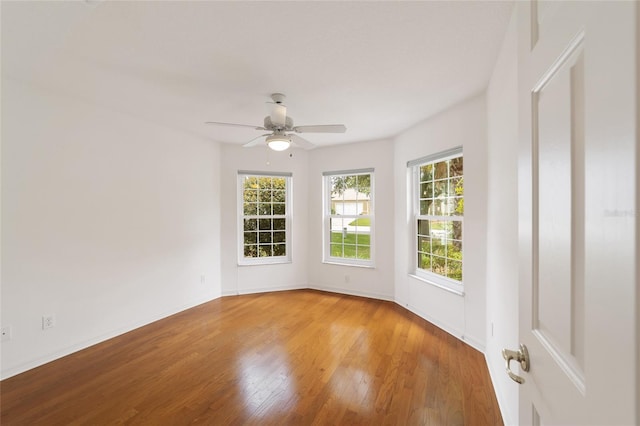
462 125
259 278
372 282
108 223
502 221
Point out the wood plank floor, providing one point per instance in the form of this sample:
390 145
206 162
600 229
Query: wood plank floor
297 357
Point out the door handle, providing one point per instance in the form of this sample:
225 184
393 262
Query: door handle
522 356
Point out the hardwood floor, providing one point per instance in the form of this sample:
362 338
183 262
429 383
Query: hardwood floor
297 357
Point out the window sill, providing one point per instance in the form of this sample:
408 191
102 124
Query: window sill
355 265
266 263
459 292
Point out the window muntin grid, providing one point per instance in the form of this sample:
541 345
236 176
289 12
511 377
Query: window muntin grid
439 218
264 219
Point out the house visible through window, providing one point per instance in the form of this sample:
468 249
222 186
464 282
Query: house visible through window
438 207
348 217
264 218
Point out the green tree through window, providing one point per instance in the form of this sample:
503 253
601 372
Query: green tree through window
439 217
264 216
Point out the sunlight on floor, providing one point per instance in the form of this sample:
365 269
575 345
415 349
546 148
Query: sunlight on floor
267 390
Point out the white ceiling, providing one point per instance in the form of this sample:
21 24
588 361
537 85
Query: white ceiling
377 67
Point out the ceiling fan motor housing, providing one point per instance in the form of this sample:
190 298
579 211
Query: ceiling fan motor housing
268 124
278 98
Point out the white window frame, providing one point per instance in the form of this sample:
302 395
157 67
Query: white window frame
327 216
246 261
424 275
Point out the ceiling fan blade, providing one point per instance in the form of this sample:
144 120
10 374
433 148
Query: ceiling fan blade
218 123
301 142
321 128
278 114
255 141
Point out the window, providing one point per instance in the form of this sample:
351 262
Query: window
264 218
438 217
348 217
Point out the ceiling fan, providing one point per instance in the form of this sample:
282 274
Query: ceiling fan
283 132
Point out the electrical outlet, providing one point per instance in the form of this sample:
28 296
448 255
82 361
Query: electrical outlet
347 278
48 321
6 333
202 279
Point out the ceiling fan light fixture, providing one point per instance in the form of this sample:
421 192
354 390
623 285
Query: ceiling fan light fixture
278 142
282 131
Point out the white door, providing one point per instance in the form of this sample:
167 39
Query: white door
577 212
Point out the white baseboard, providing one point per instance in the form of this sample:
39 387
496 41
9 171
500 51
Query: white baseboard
452 330
501 402
351 292
474 343
269 289
449 328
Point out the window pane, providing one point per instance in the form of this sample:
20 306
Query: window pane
454 250
337 186
426 206
458 207
447 205
264 223
250 224
264 209
441 170
250 183
279 183
279 224
363 183
338 227
439 207
426 190
279 208
440 189
250 237
336 250
265 250
438 265
364 252
457 186
250 209
438 229
279 196
424 244
456 230
438 247
250 196
363 239
264 183
279 237
454 270
279 249
251 251
424 261
424 227
426 173
455 167
264 196
349 251
265 237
